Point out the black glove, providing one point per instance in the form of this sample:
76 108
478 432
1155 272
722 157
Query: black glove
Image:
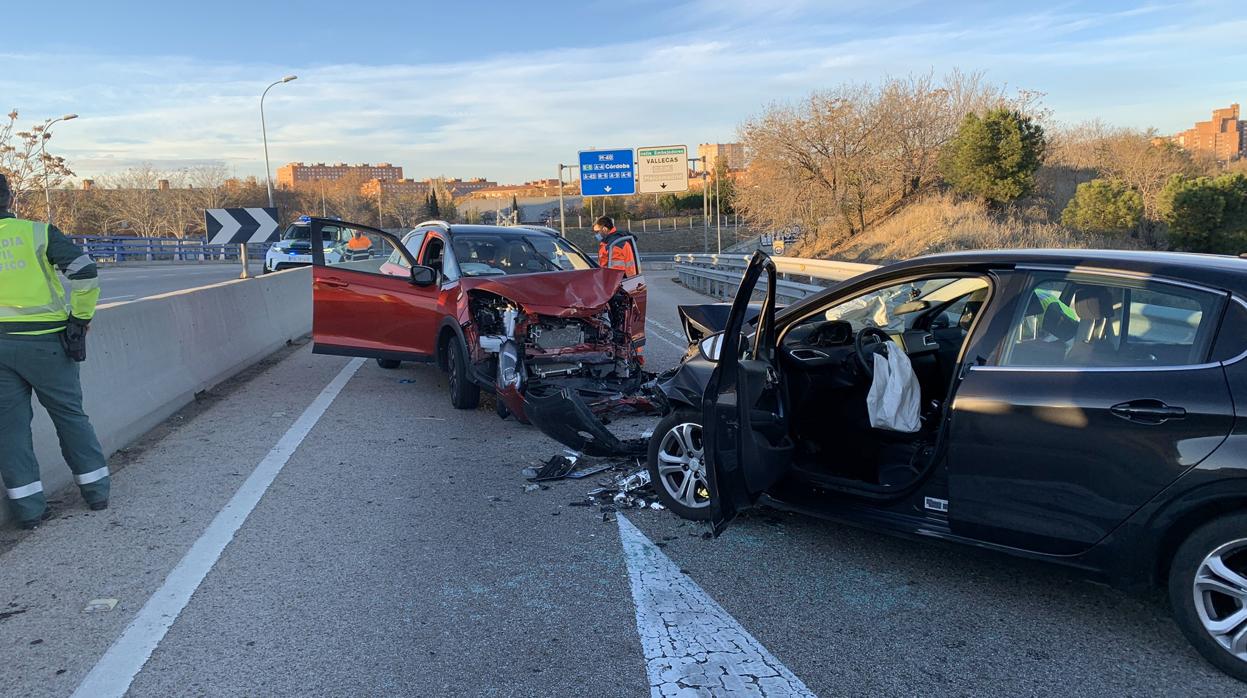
75 339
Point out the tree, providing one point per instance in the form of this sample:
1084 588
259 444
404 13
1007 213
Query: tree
28 166
432 206
994 157
1206 214
1104 206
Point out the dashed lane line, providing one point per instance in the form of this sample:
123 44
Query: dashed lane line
116 670
693 646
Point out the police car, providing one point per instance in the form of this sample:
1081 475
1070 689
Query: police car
294 249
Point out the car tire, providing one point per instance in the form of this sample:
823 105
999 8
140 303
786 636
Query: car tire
389 364
1220 542
464 394
678 435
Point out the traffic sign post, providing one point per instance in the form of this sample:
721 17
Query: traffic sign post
662 168
607 173
240 226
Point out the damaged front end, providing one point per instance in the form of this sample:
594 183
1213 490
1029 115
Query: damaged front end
578 418
580 331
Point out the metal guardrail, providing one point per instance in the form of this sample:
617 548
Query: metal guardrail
719 275
119 250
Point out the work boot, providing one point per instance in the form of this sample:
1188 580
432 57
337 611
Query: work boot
34 523
99 506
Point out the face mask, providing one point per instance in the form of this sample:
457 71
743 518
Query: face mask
597 236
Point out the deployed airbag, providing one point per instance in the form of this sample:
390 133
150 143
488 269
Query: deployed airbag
894 399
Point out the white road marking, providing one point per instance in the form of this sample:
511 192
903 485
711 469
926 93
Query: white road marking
116 298
691 645
664 328
116 670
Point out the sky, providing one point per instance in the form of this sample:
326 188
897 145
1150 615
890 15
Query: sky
507 90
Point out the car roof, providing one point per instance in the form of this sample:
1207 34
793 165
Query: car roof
467 229
1221 271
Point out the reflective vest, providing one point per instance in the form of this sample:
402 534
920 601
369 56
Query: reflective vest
621 256
29 288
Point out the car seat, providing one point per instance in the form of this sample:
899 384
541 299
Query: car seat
1094 337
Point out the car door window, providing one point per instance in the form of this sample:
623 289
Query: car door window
360 249
1082 321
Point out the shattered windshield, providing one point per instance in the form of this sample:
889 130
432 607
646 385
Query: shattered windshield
484 254
880 308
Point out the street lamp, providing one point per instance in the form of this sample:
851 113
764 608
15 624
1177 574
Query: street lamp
268 170
43 158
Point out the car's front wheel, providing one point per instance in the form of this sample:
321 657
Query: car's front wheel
1208 592
677 465
464 394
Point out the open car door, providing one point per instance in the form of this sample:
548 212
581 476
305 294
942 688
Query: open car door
369 297
745 411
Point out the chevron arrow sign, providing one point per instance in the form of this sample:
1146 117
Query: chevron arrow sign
238 225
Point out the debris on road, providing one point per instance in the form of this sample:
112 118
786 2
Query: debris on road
100 605
628 488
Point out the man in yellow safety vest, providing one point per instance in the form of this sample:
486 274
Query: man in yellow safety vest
42 339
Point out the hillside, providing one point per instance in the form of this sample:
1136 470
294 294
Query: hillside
940 222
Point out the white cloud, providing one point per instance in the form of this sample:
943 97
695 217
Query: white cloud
516 116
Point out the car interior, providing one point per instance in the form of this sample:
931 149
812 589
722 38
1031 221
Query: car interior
828 376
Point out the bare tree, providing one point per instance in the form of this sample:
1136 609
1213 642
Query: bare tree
27 164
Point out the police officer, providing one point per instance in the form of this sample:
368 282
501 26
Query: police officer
41 341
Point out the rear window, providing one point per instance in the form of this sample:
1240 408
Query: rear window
483 254
1072 321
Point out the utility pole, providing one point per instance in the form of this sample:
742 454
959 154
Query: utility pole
562 210
718 212
268 169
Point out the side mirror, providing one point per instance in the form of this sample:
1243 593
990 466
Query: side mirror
710 346
423 276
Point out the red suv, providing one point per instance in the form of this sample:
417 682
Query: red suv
498 308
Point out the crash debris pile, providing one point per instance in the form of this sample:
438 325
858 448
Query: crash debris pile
627 485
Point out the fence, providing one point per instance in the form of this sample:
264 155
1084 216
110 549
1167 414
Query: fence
118 250
796 278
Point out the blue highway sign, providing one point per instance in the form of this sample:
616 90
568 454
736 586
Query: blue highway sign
606 173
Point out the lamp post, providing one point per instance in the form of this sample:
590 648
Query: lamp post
268 170
43 158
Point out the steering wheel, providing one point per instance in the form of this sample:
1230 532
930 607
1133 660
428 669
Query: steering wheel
870 341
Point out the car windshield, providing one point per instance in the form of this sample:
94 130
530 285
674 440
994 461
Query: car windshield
485 254
298 232
879 308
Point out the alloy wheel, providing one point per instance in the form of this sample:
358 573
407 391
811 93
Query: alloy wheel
682 465
452 364
1220 590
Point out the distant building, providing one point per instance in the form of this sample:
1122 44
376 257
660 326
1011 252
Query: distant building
463 187
731 153
1224 137
537 187
393 187
293 173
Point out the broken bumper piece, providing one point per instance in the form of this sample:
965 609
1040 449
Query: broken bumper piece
563 415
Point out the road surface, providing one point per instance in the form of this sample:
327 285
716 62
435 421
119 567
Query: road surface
378 542
119 284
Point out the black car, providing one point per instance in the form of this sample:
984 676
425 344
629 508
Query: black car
1082 407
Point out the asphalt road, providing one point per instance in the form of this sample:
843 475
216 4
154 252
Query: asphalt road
119 284
397 553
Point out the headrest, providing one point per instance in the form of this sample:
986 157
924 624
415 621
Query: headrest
1093 303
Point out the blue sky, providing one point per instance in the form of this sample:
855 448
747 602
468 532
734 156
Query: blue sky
507 89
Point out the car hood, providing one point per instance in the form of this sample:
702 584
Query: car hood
555 293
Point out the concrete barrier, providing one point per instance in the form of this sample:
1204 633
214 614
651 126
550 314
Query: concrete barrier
147 358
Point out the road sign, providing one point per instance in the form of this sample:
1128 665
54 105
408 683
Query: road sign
662 168
606 173
239 225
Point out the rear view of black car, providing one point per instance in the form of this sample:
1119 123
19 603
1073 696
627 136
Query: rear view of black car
1080 407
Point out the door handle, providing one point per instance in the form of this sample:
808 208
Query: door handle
335 283
1147 411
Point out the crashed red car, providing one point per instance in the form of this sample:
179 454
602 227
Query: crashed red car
504 309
